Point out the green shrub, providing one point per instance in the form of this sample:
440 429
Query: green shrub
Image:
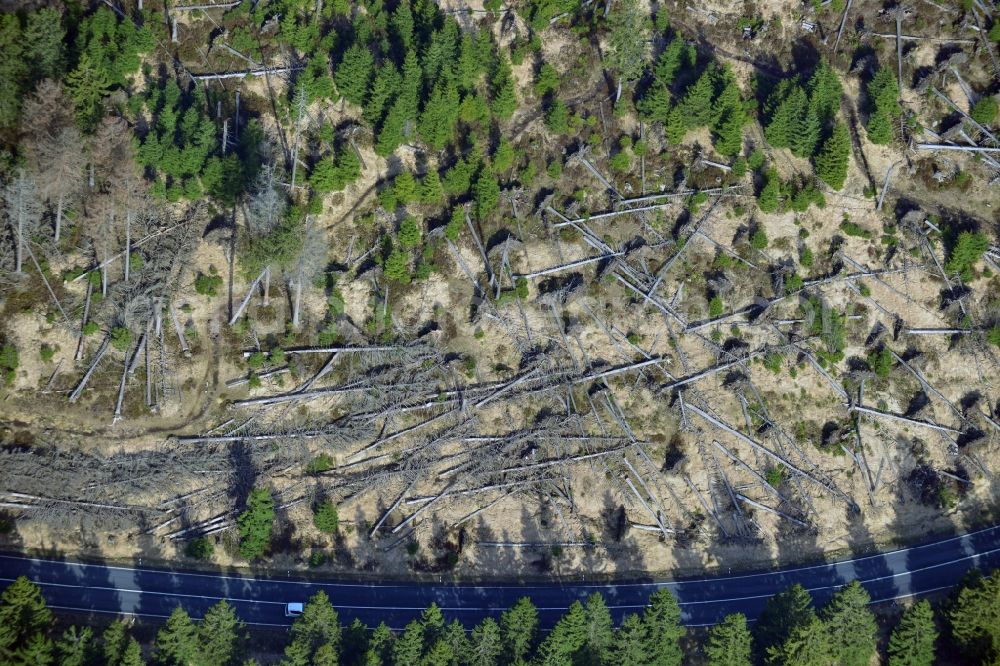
207 285
90 328
772 361
853 229
409 233
806 257
758 240
46 352
121 338
321 463
774 476
715 307
256 360
985 110
880 362
200 548
254 381
993 336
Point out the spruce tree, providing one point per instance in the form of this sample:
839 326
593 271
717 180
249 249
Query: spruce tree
485 644
831 162
14 69
912 641
806 645
825 92
767 200
87 85
318 625
76 647
850 625
132 655
23 617
879 128
566 639
487 193
177 641
354 73
975 619
255 524
519 626
410 645
437 122
676 126
383 89
220 635
629 647
504 94
599 629
697 103
43 41
730 642
785 612
662 621
806 131
503 157
787 105
431 190
115 640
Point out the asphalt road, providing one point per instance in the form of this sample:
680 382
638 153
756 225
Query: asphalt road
155 593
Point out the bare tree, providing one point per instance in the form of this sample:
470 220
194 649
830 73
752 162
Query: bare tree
311 261
54 148
265 210
24 211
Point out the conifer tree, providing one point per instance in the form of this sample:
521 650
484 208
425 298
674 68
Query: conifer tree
503 157
431 191
402 25
177 641
912 641
410 645
132 656
785 612
24 619
87 85
825 92
676 126
437 122
468 68
883 104
767 200
806 645
519 626
730 642
503 89
662 621
318 626
76 647
831 162
354 73
487 193
220 635
568 636
879 127
975 619
629 646
781 113
383 89
696 106
557 117
599 630
626 42
115 640
43 41
255 524
485 645
14 69
850 625
805 133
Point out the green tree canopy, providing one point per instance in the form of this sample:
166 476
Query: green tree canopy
850 625
318 626
730 642
785 612
504 93
662 621
255 524
177 641
354 73
975 619
24 622
220 636
831 162
519 627
912 641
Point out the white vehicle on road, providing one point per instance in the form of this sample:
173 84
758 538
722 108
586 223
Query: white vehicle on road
293 609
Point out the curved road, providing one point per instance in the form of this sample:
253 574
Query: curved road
154 592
